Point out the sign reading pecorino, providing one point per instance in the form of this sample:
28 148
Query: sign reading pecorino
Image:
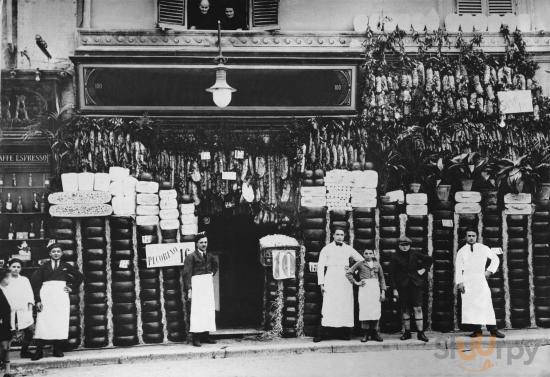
24 158
167 254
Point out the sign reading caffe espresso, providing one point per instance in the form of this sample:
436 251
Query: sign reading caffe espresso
24 158
181 88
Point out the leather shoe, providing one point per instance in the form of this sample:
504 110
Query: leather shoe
25 354
497 334
196 340
58 353
37 355
476 334
209 340
406 335
376 336
421 336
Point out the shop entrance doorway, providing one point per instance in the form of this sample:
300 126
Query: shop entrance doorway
241 278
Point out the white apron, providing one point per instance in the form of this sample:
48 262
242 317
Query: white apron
19 294
338 299
52 323
203 307
370 308
477 306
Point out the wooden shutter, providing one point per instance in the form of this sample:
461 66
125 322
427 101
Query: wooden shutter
500 6
469 6
171 13
264 14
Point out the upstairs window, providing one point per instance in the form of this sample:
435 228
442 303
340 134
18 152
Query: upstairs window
484 6
204 14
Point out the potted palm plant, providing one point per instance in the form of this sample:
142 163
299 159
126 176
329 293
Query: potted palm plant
468 167
541 165
438 175
517 176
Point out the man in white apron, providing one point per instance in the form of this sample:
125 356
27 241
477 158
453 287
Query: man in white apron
198 270
471 281
52 283
337 310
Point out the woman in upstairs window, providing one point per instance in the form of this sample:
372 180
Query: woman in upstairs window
231 19
204 17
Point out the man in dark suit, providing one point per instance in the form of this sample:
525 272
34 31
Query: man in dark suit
408 276
198 270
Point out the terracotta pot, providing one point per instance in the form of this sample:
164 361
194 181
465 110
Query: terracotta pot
415 187
467 184
443 192
490 197
543 192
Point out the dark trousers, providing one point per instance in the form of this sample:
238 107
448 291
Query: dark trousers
489 327
57 344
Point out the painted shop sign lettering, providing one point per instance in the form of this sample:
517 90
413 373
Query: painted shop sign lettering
24 158
167 254
515 101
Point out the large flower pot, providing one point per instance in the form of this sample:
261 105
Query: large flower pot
443 192
543 192
415 187
467 184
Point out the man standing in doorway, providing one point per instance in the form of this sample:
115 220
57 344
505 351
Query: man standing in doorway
471 281
337 310
52 283
408 277
198 270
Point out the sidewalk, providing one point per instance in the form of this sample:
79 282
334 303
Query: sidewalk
255 346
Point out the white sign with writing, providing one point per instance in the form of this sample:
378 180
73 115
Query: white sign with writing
515 101
167 254
229 175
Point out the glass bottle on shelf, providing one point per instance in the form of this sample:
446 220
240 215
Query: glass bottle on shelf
32 234
11 232
19 205
35 203
1 180
42 232
30 179
43 203
14 180
9 204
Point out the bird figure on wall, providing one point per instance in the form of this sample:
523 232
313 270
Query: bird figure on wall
42 45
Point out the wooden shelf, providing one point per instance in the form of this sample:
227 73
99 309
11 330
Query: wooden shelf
23 213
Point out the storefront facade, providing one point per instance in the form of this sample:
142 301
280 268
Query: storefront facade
128 58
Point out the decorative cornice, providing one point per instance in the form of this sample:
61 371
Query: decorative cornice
91 41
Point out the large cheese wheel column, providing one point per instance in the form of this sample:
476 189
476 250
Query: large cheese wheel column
64 231
541 262
443 279
492 237
94 256
390 230
123 286
518 270
151 314
290 310
313 220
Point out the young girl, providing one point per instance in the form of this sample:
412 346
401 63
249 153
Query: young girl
21 298
5 323
372 291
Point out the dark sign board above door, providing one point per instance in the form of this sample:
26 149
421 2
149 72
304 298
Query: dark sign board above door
170 88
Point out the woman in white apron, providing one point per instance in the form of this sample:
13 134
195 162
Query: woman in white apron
21 298
471 280
372 291
337 310
52 283
198 271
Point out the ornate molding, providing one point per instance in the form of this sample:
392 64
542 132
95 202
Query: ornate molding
90 41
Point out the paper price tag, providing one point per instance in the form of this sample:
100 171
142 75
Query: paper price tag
497 250
205 155
312 267
229 175
124 264
238 154
146 239
447 223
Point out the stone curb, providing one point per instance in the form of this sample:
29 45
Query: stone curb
182 351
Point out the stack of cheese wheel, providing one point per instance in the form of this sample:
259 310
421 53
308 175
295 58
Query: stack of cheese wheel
338 183
541 261
169 214
147 221
363 188
123 191
189 222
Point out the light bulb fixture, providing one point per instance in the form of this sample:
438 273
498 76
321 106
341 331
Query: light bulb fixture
37 75
221 90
